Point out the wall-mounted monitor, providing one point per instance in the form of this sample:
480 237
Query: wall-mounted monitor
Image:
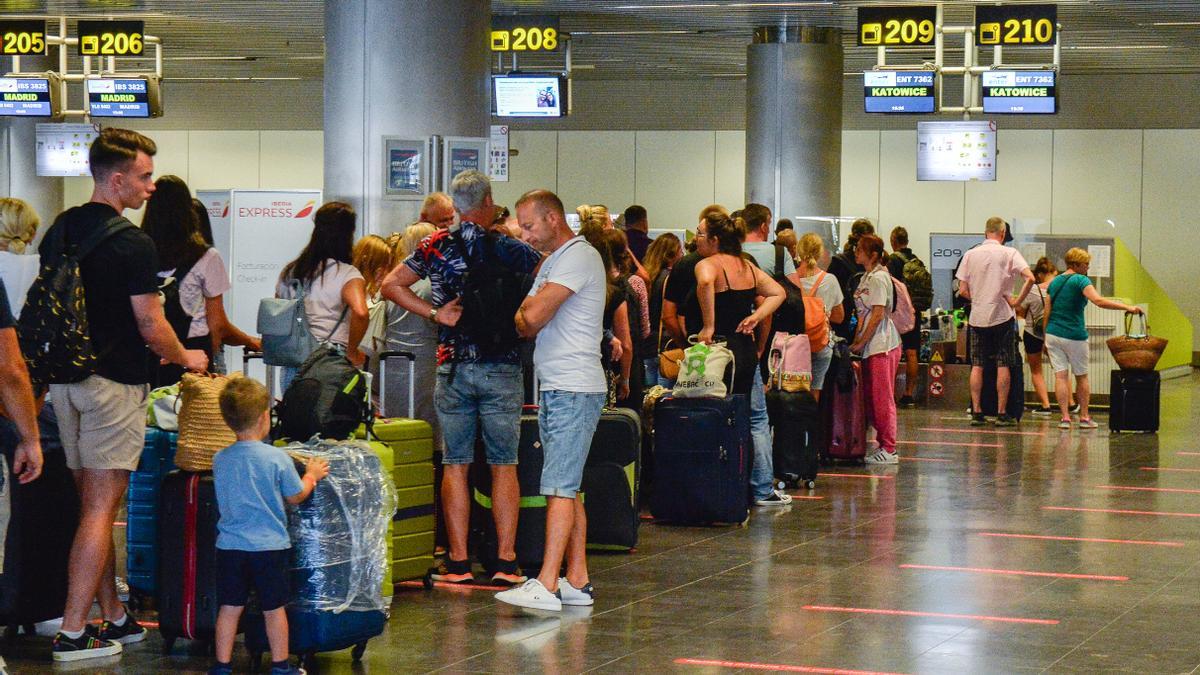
30 96
62 149
124 97
529 95
1019 92
899 91
956 151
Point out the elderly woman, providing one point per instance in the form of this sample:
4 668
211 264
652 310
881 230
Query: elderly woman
1066 334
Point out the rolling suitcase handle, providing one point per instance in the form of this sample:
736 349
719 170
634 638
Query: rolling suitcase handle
247 357
412 380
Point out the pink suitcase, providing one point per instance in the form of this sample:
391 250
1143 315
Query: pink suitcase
848 423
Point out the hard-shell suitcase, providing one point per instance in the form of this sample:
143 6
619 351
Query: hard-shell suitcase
42 519
610 481
141 506
531 518
187 565
846 429
1015 407
1134 401
795 420
702 453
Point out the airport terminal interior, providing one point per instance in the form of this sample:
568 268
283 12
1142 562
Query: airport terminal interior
986 549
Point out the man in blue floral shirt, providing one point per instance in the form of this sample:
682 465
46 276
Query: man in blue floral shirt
474 390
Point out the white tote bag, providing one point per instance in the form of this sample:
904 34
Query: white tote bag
702 370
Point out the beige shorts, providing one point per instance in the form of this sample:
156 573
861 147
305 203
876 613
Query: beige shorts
102 423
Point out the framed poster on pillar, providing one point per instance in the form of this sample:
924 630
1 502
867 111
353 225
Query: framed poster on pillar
460 154
406 168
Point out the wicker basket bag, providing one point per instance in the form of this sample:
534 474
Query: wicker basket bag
1136 351
202 430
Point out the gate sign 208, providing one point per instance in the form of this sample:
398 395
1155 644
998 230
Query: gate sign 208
525 34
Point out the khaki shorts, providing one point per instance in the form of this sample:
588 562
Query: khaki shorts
102 423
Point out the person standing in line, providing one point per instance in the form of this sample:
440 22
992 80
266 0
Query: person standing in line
809 279
637 228
845 269
877 340
910 342
1033 311
19 263
986 275
756 223
410 332
438 210
102 419
564 311
17 407
660 258
1066 333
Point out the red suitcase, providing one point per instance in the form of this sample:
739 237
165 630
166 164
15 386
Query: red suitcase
847 427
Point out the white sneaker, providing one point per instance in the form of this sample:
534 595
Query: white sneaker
776 498
1088 423
532 595
883 457
1064 424
575 597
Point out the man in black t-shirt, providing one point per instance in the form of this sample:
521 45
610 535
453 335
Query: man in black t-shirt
17 397
102 419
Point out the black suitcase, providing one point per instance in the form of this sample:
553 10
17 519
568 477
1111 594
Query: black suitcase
531 521
702 453
1016 392
610 481
1134 401
187 569
44 515
796 421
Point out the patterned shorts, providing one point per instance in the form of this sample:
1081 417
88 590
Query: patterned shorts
995 345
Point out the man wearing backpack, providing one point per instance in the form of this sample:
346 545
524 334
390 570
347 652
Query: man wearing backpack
479 377
101 407
907 267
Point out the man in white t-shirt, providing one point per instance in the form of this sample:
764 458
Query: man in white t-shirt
986 276
565 311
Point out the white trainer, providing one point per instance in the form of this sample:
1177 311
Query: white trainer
575 597
883 457
532 595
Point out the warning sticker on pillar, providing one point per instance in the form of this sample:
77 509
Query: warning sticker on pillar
498 154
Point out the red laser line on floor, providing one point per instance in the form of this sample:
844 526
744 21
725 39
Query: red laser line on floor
1168 468
1089 540
119 523
924 459
1188 454
811 497
776 667
853 475
1124 511
940 615
983 431
961 445
1147 489
1019 573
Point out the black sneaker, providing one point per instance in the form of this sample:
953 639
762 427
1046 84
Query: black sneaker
907 401
1074 408
86 646
507 573
131 632
978 420
1043 412
1005 421
453 572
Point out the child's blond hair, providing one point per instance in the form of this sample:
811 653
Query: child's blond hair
243 400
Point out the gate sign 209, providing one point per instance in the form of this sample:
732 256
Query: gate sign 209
896 26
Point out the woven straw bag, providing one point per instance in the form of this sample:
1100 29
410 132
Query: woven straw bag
202 430
1136 351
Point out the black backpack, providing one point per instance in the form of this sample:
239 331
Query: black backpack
53 328
491 295
329 397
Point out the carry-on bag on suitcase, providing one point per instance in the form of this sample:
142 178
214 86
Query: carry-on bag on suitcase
846 428
702 454
141 506
795 421
187 565
1134 401
41 522
610 481
531 518
339 557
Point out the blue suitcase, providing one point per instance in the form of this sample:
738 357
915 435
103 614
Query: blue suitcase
702 457
141 533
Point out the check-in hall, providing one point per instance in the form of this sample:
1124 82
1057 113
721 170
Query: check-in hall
614 336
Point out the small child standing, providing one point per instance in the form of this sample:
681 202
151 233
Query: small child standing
253 479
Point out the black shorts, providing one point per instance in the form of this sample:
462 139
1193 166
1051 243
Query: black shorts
995 345
1033 344
264 571
911 340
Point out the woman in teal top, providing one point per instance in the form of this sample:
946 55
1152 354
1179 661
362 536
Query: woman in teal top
1066 333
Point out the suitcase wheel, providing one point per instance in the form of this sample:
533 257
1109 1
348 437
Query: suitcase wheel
357 652
810 484
427 581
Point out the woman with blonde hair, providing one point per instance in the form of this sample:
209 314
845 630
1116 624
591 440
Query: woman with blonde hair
18 259
1066 333
809 279
408 332
373 258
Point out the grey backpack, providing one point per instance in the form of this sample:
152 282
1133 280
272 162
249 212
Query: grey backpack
287 339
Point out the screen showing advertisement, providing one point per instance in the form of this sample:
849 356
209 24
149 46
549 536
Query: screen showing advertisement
528 96
889 91
118 98
25 97
956 151
1019 92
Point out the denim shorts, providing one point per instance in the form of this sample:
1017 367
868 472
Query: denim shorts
482 395
820 366
566 422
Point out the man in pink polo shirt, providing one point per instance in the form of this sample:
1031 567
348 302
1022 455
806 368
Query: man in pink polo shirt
986 276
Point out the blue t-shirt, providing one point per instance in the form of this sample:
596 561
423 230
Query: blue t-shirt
1066 306
439 258
252 478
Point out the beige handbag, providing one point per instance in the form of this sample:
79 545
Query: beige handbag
202 430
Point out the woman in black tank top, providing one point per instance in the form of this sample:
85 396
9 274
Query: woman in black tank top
728 303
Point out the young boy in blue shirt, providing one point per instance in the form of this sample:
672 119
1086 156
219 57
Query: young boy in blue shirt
253 479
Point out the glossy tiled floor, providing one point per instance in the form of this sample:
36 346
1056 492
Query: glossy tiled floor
985 551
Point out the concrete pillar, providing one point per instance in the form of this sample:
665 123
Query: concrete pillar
409 68
18 170
794 122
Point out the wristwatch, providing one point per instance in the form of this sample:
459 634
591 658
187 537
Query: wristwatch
433 314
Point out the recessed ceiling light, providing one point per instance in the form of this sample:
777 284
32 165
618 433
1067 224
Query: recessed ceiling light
1097 48
725 5
630 32
1176 23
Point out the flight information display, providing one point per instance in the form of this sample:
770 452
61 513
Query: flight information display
118 98
1019 91
529 96
898 91
25 97
956 151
